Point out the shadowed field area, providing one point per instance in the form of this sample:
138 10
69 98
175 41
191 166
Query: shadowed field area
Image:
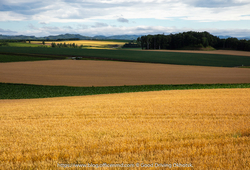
208 129
222 52
109 73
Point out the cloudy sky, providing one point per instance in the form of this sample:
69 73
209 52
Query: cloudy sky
115 17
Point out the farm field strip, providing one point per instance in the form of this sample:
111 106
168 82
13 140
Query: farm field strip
208 129
91 43
87 43
140 56
16 58
28 91
21 44
223 52
110 73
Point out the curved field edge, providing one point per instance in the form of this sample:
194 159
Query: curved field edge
178 58
28 91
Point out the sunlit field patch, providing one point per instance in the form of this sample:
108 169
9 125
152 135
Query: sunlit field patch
91 44
208 129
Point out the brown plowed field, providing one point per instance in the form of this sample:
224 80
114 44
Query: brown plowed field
110 73
225 52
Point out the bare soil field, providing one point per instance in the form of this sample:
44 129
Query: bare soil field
201 129
110 73
225 52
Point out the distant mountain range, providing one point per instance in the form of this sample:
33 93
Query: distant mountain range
69 36
81 37
239 38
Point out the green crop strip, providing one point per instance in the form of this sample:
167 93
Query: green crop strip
138 56
15 58
27 91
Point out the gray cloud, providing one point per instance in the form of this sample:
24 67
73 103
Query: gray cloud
43 23
78 9
72 16
7 32
26 8
102 5
122 20
82 26
99 24
31 26
67 9
215 3
67 27
97 12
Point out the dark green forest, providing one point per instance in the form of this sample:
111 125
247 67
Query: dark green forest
191 40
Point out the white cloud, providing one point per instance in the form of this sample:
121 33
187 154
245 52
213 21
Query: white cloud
10 16
76 10
90 13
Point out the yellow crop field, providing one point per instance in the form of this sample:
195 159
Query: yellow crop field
85 43
194 129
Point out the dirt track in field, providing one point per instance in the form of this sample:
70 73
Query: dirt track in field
110 73
224 52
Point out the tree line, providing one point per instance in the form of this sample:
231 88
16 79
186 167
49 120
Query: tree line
191 39
131 44
5 42
64 45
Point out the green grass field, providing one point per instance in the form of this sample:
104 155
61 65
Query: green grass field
139 56
20 44
15 58
27 91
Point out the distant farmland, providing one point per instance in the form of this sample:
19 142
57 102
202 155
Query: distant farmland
95 44
204 129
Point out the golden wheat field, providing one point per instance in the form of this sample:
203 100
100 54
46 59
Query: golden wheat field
111 73
86 43
197 129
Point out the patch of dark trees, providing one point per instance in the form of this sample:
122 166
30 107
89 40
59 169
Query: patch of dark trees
191 39
131 44
5 42
64 45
